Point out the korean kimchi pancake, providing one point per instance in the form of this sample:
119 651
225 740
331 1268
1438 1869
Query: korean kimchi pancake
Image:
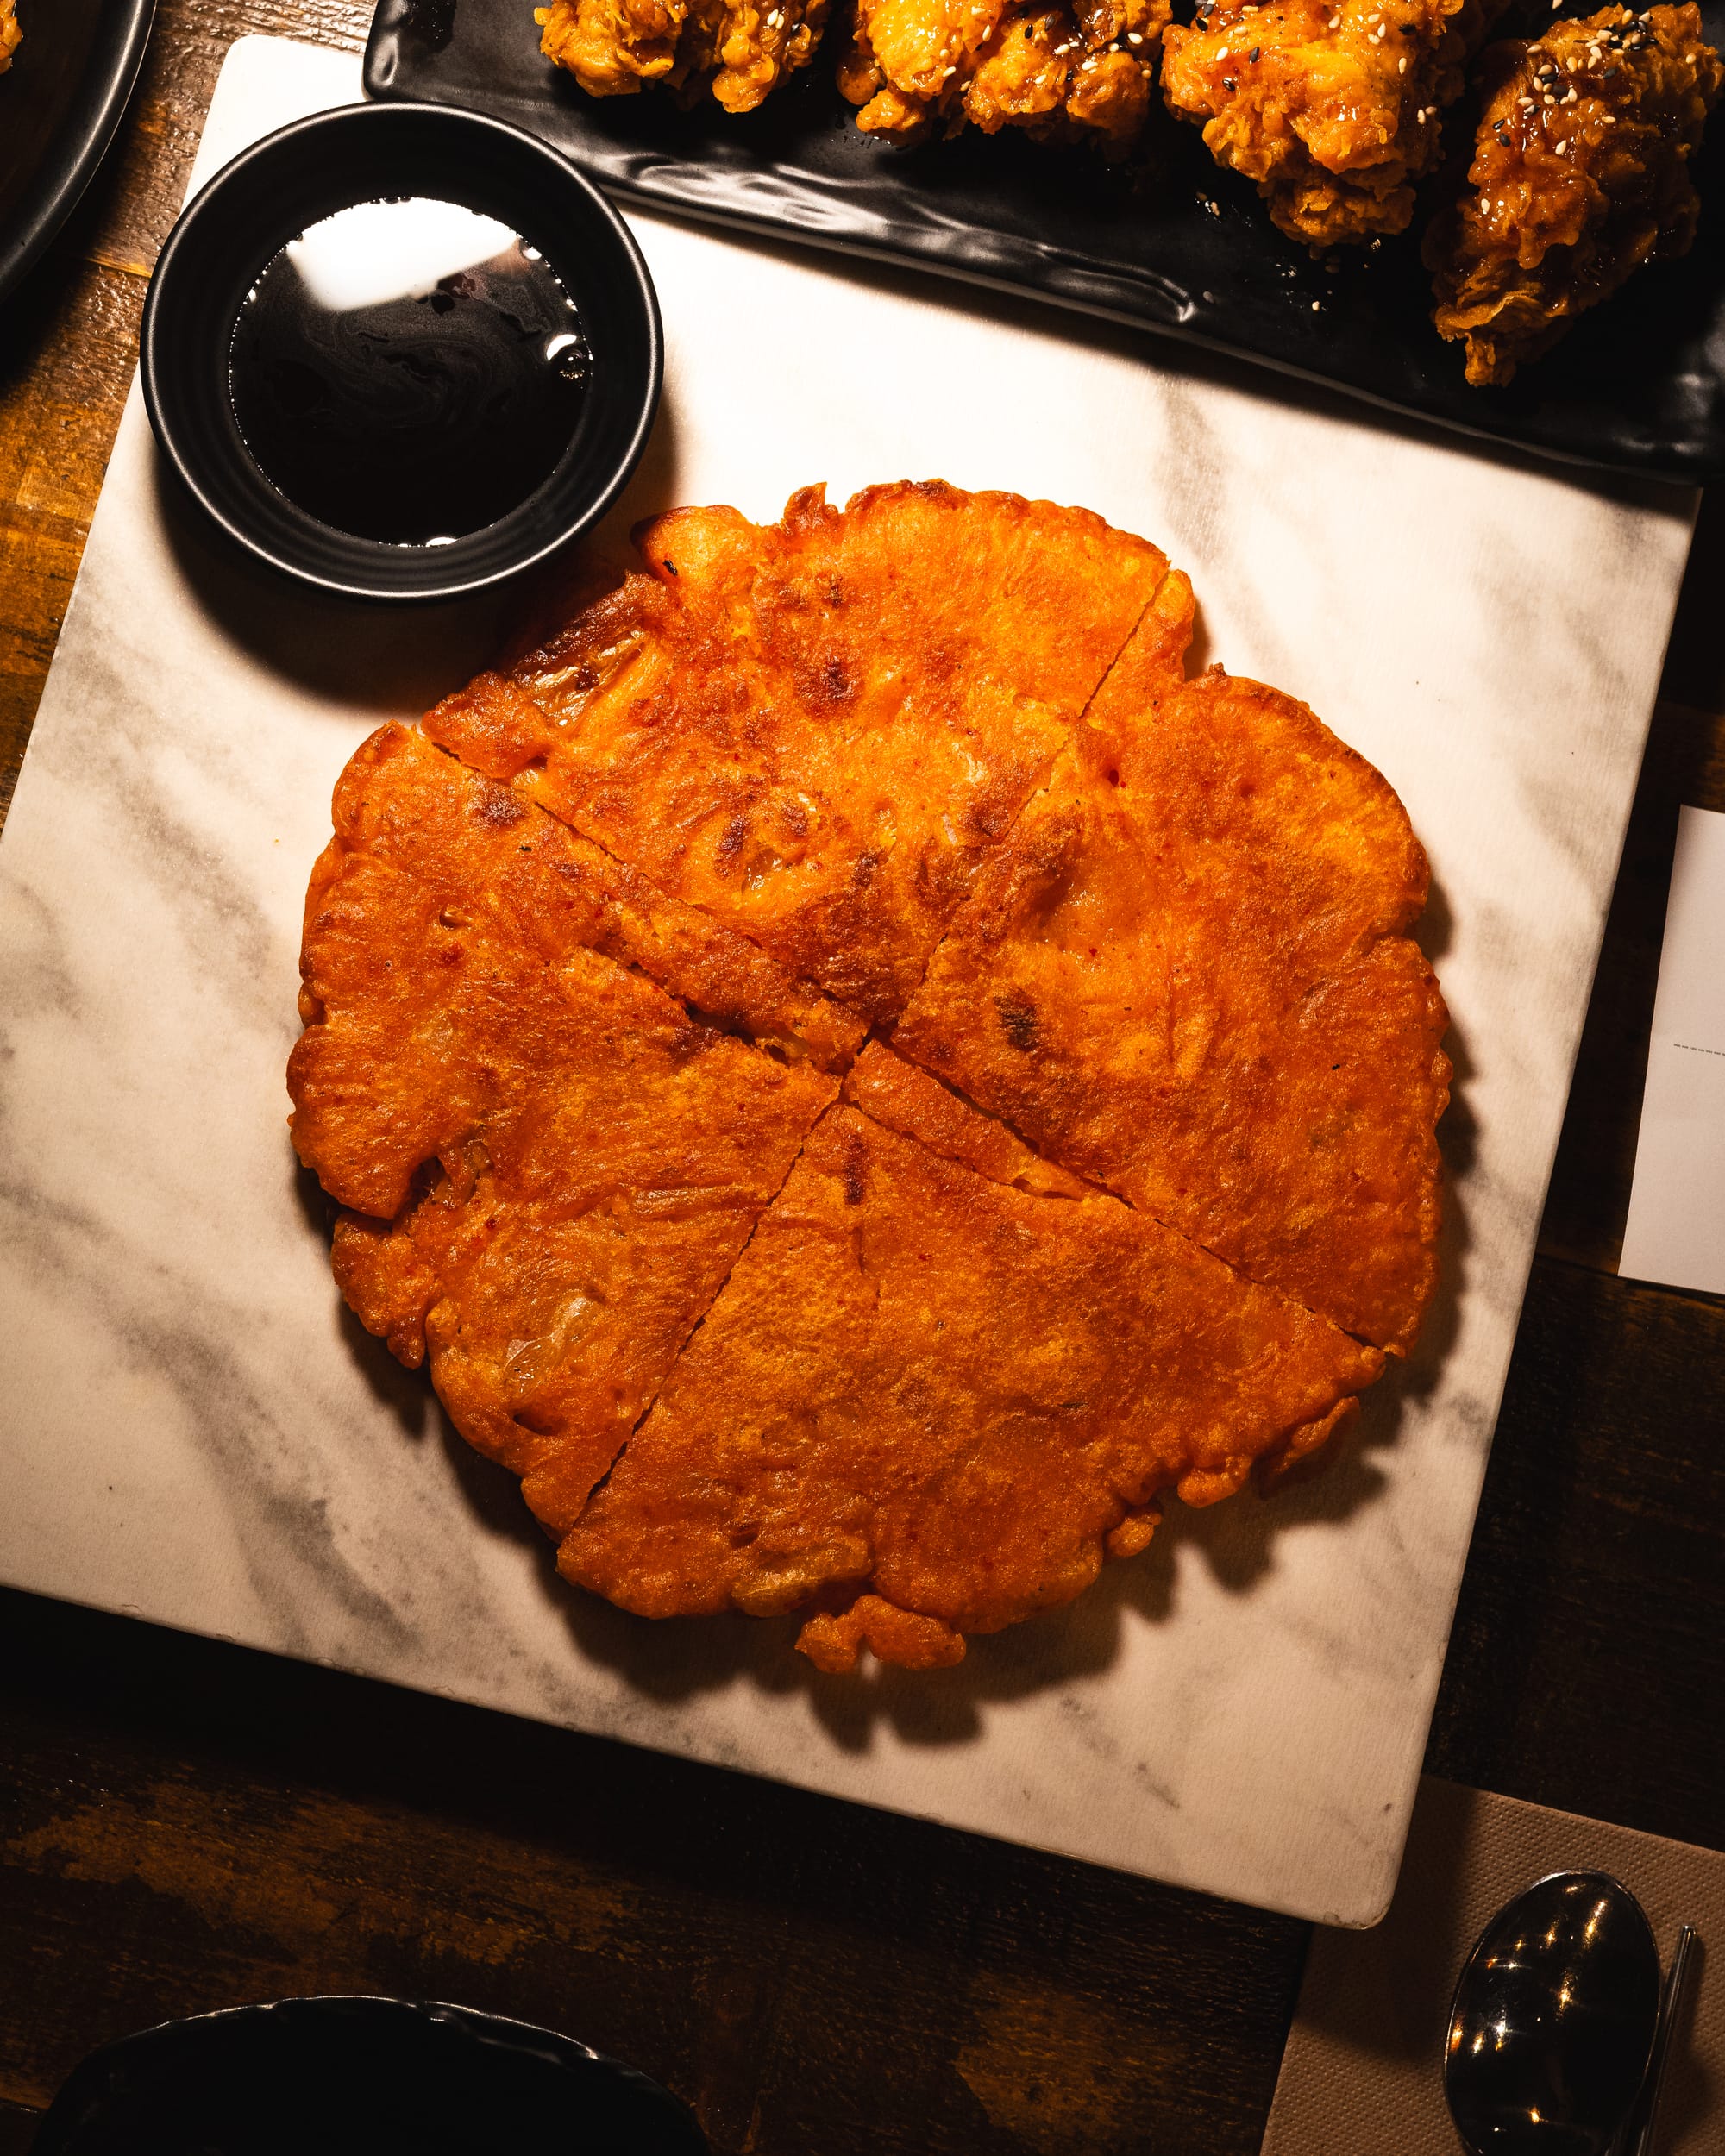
1186 976
816 731
927 1401
549 1166
1128 1191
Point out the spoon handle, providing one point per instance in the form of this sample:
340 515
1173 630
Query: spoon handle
1641 2142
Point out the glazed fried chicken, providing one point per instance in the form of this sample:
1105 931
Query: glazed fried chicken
1334 107
740 48
10 35
1580 175
1080 72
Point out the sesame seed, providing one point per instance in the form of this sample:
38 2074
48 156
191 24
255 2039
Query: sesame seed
1134 37
1314 306
1253 53
1401 65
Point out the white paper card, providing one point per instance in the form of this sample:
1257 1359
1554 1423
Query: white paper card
1676 1231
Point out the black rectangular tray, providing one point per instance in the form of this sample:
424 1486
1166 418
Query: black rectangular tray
1173 244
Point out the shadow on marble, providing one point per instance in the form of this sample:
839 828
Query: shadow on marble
389 659
398 660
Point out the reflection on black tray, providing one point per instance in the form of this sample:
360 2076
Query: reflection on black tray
1638 384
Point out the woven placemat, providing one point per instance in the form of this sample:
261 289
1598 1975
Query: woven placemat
1360 2076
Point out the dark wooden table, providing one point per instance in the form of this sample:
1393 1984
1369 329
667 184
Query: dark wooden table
184 1825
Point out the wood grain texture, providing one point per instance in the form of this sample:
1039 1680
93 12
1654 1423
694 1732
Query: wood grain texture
185 1825
1587 1662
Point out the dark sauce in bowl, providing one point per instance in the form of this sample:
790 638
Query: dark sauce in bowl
408 371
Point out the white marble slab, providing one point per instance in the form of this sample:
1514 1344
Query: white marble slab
191 1431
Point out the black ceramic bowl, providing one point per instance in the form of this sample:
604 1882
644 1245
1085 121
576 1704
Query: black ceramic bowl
357 2077
357 153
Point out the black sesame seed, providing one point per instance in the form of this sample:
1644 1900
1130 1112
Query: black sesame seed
1253 53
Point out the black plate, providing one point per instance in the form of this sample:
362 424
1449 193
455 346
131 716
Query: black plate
356 2076
1639 385
355 153
60 101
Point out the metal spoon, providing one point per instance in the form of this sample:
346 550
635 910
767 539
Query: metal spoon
1670 2005
1553 2020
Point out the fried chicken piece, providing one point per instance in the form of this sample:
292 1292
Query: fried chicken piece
815 731
1187 976
1084 71
1580 175
929 1402
1333 108
740 49
550 1167
10 35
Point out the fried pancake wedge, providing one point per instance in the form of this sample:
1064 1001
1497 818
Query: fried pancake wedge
1187 977
1333 108
549 1167
908 1100
481 845
816 732
928 1402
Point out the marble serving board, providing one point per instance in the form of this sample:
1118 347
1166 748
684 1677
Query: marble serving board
193 1432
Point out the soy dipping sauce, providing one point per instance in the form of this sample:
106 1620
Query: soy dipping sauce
408 371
